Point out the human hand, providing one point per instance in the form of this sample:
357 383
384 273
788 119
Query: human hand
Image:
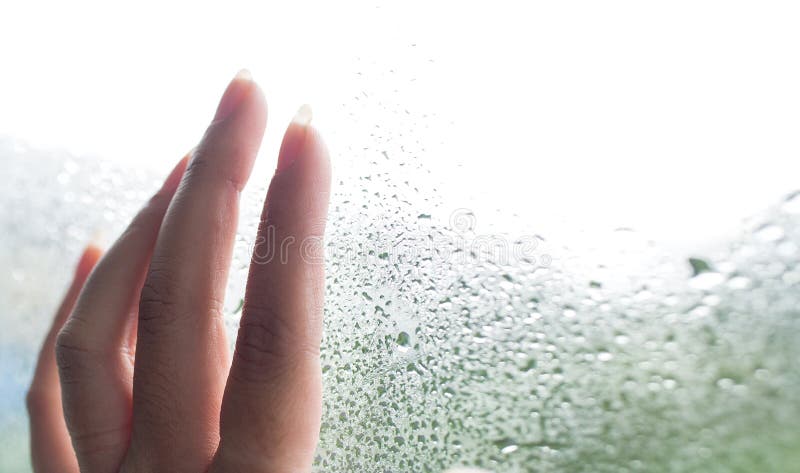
137 354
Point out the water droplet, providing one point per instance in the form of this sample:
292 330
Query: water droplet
403 340
792 203
621 339
509 449
699 266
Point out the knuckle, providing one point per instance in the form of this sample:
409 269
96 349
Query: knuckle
158 299
203 166
164 302
35 400
73 355
96 442
157 403
199 162
266 343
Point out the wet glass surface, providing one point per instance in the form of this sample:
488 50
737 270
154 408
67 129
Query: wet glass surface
445 346
567 244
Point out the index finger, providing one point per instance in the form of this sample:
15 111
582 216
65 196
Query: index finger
182 355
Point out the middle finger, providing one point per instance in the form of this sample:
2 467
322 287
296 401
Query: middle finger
182 355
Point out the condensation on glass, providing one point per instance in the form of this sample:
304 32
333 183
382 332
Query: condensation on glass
446 347
453 342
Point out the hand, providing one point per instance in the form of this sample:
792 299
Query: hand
139 344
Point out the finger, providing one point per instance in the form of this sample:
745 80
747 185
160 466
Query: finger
95 347
50 445
271 412
182 356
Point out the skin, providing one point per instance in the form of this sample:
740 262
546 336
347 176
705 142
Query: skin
135 374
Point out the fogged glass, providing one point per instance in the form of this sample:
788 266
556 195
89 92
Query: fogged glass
488 304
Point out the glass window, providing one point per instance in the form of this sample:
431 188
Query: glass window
562 238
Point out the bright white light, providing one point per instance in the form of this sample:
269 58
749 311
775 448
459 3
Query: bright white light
678 119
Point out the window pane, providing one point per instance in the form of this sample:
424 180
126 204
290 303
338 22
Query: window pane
560 239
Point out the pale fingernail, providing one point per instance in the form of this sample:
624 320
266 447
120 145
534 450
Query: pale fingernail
303 116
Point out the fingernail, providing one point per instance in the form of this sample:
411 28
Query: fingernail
294 138
236 91
303 116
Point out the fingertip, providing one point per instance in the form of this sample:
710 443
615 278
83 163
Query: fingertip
316 145
242 96
302 142
303 116
317 158
89 258
237 91
258 101
244 74
231 142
